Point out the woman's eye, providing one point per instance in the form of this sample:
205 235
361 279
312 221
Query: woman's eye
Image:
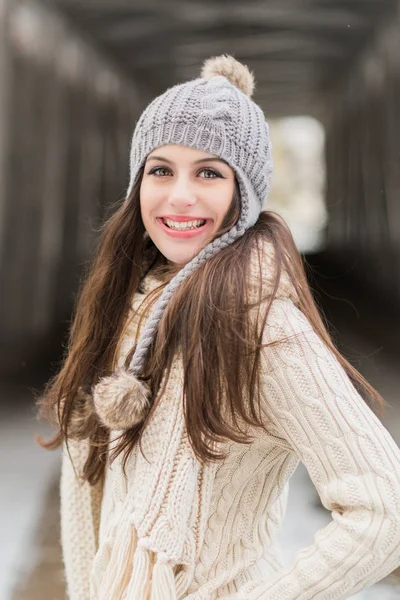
213 173
153 171
165 171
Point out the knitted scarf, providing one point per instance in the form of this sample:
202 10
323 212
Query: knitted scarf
160 517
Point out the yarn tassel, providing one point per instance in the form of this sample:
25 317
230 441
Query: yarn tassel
139 585
119 568
163 584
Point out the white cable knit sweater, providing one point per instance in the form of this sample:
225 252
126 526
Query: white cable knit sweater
314 415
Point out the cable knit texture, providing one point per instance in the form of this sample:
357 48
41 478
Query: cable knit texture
226 545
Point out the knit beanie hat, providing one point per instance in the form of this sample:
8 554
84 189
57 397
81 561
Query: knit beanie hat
213 113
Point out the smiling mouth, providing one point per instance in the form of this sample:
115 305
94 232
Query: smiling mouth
183 225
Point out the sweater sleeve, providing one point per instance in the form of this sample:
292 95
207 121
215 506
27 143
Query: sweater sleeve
80 513
310 403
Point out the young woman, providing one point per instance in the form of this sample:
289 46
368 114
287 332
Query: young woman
199 373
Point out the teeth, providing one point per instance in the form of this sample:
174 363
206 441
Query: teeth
183 225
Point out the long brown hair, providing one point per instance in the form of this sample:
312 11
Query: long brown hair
220 349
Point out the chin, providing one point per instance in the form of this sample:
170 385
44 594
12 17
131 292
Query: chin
180 256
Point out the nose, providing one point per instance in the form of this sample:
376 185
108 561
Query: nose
182 193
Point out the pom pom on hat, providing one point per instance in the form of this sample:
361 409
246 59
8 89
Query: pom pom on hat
237 73
121 400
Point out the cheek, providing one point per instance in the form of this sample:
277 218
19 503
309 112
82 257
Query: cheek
147 202
224 206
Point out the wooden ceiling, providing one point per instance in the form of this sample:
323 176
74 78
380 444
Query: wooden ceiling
298 49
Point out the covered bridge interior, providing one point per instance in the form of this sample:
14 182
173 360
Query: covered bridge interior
74 78
78 74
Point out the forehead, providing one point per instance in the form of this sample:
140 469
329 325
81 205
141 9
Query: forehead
181 151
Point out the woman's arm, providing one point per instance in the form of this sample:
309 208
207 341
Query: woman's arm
309 402
80 512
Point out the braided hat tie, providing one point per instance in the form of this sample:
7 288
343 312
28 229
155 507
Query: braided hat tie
213 113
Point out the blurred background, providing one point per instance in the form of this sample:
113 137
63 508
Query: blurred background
74 78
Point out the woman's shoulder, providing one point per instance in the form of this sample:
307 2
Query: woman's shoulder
262 274
263 270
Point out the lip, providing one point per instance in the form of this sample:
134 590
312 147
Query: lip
183 234
181 218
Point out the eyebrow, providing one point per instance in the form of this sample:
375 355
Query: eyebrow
201 160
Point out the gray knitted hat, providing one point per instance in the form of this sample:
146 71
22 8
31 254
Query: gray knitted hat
213 113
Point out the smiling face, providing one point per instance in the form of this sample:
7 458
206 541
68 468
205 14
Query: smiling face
184 196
